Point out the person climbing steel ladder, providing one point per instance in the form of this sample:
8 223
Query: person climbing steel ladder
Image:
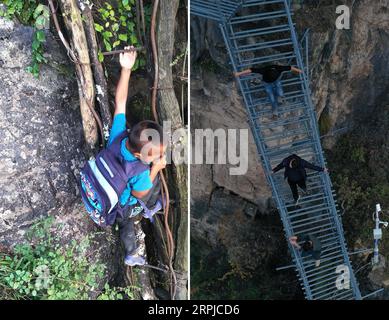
311 246
296 174
271 76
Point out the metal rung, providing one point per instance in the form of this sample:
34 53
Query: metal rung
292 107
328 237
290 147
329 244
288 96
313 224
252 3
324 286
330 287
310 220
314 228
327 250
283 147
263 99
348 296
302 201
313 181
271 136
331 295
286 195
283 122
261 60
215 10
261 87
325 208
311 198
289 204
263 45
258 17
281 111
270 133
316 279
226 6
315 187
253 76
306 210
329 225
309 210
287 88
324 279
310 154
263 102
329 231
328 257
328 254
324 267
295 149
327 241
312 176
260 31
322 275
290 134
343 292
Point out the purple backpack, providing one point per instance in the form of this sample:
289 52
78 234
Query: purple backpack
104 179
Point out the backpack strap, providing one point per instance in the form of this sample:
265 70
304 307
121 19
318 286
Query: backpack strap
134 168
149 213
115 146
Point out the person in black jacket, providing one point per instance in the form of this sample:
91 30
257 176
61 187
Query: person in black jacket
296 174
311 246
271 79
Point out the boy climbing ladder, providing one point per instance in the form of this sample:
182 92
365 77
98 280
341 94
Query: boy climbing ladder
117 185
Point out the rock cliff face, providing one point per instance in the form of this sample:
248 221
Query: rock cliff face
350 75
350 69
41 141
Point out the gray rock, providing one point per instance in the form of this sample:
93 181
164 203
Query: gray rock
42 142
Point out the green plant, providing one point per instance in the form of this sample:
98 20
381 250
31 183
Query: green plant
22 9
116 25
178 58
43 268
358 154
115 293
325 123
32 13
37 53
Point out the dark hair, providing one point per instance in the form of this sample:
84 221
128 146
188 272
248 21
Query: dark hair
294 163
134 137
307 245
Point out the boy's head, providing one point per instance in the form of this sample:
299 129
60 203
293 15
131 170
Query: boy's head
294 163
146 141
307 246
